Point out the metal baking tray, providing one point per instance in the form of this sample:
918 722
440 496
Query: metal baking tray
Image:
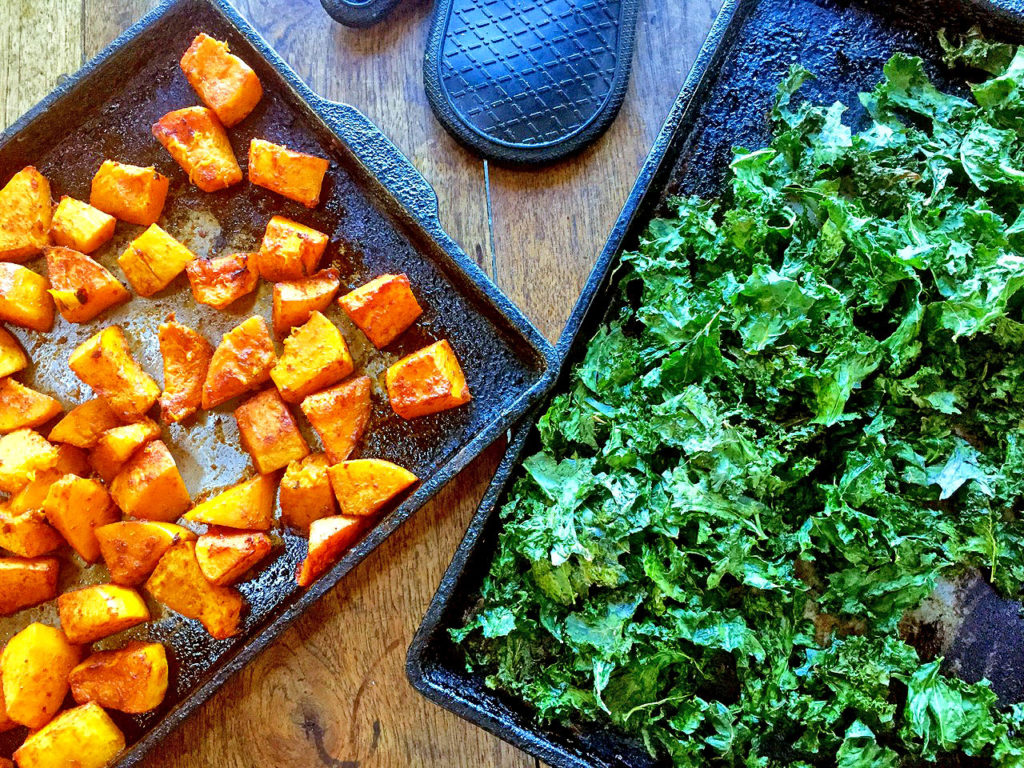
381 216
723 103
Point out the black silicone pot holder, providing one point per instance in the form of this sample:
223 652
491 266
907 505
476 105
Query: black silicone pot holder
358 13
527 82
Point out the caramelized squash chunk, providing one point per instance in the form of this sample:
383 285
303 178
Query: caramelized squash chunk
83 737
290 251
248 506
242 362
132 679
152 260
268 432
224 557
222 280
339 415
12 356
80 226
34 670
117 445
6 724
80 287
24 299
26 532
364 486
186 356
178 583
383 308
291 174
224 82
130 193
24 583
295 301
131 549
427 381
95 612
23 453
25 215
305 494
315 356
77 506
329 538
105 363
198 143
85 423
21 406
149 485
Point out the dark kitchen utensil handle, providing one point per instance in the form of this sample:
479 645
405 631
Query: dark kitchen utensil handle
358 13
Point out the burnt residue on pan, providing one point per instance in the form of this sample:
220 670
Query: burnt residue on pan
724 104
380 217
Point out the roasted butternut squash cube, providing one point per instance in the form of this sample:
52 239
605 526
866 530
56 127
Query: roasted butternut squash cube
305 494
295 301
6 724
79 226
290 251
77 506
198 143
105 363
224 82
339 415
315 356
25 215
24 582
85 423
24 299
132 679
224 557
186 356
23 453
242 362
92 613
383 308
248 506
84 737
291 174
81 287
178 583
364 486
34 670
22 407
131 549
219 281
130 193
12 356
427 381
71 460
153 260
32 497
117 445
149 485
268 432
329 538
26 533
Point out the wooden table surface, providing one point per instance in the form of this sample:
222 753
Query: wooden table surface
332 690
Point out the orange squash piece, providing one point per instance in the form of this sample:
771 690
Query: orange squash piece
219 281
291 174
224 82
25 215
383 308
92 613
289 251
149 485
26 532
132 679
153 260
81 227
315 356
117 445
24 299
83 737
24 583
85 423
329 538
105 363
130 193
23 454
132 548
268 432
224 557
198 142
242 362
427 381
364 486
81 287
339 415
21 406
295 301
12 356
247 506
6 724
34 670
186 356
305 494
77 506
